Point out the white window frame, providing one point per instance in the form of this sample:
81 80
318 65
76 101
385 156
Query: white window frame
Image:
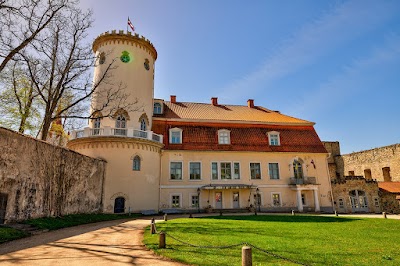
260 171
341 207
233 171
170 170
190 200
171 198
175 129
190 169
158 108
279 171
226 140
271 140
272 199
212 171
133 163
376 200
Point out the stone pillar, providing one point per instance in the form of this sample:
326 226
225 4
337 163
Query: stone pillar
247 259
316 200
299 201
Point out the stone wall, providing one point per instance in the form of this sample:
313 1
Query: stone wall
41 179
375 160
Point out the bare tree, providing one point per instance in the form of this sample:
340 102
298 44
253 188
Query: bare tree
61 66
21 21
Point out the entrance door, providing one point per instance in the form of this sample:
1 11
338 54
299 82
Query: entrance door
119 205
3 207
218 200
358 201
236 200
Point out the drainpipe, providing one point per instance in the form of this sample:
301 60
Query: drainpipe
330 182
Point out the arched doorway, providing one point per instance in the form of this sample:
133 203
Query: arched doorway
119 205
358 201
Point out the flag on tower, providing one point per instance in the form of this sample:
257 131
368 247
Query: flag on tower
130 24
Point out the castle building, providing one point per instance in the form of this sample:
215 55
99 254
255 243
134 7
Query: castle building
186 156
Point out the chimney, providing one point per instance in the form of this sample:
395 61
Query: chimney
250 103
173 99
214 101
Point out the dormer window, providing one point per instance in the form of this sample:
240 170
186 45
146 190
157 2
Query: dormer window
175 136
157 109
274 138
224 136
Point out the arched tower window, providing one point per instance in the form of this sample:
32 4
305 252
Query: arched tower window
298 169
96 126
102 58
136 163
120 125
143 125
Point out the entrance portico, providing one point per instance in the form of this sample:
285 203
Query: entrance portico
299 189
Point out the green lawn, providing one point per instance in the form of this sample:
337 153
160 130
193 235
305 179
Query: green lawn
7 234
53 223
311 240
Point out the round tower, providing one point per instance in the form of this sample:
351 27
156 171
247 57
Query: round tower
122 136
127 62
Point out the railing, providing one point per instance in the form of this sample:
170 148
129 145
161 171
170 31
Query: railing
119 132
303 181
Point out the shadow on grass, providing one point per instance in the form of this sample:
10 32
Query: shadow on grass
285 218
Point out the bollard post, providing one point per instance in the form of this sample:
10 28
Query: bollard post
247 259
161 242
336 214
153 220
292 212
153 228
165 217
384 215
190 216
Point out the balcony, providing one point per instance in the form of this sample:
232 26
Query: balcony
303 181
117 132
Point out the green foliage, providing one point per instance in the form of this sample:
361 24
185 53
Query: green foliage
8 234
53 223
311 240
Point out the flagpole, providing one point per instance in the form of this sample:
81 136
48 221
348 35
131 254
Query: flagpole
127 26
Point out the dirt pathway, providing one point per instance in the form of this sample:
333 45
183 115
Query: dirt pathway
105 243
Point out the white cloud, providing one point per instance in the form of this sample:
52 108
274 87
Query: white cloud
343 23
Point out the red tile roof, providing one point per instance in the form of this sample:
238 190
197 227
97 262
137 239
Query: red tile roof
226 113
244 137
392 187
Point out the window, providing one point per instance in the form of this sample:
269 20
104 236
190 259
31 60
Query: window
157 108
351 173
226 171
297 169
273 170
176 171
236 171
386 174
214 171
376 202
224 136
143 125
120 125
96 126
194 201
276 199
195 171
146 64
175 136
102 58
255 171
136 163
341 203
367 174
176 201
274 138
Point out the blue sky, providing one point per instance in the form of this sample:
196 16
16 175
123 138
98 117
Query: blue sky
336 63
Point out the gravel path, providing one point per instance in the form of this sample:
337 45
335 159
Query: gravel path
105 243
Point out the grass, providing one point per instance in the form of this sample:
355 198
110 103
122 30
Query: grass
8 234
53 223
311 240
